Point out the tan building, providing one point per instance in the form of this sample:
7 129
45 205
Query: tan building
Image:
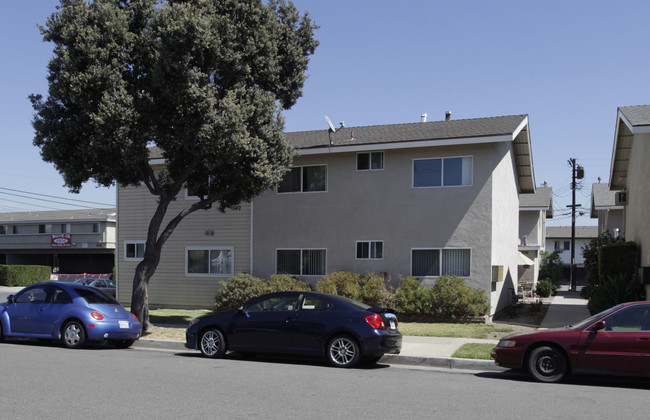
69 241
422 199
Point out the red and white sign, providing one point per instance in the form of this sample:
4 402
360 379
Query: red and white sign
61 239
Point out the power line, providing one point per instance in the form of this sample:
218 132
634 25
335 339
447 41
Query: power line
54 196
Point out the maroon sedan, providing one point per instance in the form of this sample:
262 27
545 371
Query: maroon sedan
616 341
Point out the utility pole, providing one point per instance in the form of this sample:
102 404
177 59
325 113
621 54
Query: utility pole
577 172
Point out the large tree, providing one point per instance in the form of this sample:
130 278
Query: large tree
203 81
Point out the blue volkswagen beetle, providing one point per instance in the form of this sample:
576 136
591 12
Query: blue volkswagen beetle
68 312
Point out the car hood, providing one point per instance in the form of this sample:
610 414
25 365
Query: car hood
540 334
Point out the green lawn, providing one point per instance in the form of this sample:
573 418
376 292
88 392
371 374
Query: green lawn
479 351
485 331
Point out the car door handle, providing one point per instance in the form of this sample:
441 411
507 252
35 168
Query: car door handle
643 339
290 320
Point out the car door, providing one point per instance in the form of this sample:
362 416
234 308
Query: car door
25 309
267 324
311 325
622 345
46 319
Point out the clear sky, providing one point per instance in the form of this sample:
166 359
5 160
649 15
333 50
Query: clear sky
567 64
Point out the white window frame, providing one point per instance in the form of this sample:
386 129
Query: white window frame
302 250
370 250
440 260
231 249
134 243
370 168
302 186
442 172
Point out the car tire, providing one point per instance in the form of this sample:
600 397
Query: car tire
124 344
343 351
2 336
547 364
73 335
212 343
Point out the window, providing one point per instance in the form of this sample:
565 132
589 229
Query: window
212 261
311 303
442 172
370 161
36 294
567 245
134 250
192 190
305 262
44 228
3 230
370 250
304 179
277 303
65 228
95 227
440 262
636 318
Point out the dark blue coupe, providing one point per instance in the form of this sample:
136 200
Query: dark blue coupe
68 312
345 331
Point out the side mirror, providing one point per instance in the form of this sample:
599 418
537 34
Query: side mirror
600 325
243 312
11 298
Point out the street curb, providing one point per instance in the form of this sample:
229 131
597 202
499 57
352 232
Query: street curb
438 362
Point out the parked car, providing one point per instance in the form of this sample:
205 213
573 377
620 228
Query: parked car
106 285
69 312
615 341
344 331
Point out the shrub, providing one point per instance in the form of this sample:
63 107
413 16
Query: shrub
453 299
23 275
545 288
342 283
285 283
411 299
240 288
613 290
374 291
551 267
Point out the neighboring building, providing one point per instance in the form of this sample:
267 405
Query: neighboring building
629 175
69 241
608 212
421 199
534 209
558 238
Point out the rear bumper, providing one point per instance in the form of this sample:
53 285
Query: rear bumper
112 331
383 343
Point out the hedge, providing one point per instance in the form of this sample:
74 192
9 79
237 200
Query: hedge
23 275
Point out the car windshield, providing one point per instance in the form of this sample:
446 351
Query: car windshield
591 319
95 296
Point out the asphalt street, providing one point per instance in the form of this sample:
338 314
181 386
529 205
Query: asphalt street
47 381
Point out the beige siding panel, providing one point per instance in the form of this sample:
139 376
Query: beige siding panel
170 286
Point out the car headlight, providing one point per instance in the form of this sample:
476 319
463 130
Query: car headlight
194 321
507 343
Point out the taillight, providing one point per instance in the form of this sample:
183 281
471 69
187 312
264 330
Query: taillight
375 321
134 317
97 316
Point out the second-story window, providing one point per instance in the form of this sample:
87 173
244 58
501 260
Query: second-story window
370 250
442 172
371 161
304 179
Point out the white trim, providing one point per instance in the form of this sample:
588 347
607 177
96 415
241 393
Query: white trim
136 243
210 248
369 242
442 172
301 249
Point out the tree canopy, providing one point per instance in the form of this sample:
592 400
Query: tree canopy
201 82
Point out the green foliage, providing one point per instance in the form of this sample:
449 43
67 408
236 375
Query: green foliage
551 267
590 255
545 287
238 289
342 283
285 282
613 290
23 275
411 299
204 82
453 299
374 291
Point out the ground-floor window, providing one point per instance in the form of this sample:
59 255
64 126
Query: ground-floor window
370 250
134 250
209 261
440 262
301 262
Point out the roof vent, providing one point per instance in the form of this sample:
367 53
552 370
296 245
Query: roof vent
423 118
447 115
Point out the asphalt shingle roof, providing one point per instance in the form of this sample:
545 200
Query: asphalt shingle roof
58 215
637 115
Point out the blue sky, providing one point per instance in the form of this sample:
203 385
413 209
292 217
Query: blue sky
568 65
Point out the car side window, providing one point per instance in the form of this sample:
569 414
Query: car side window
36 294
310 303
636 318
274 304
59 296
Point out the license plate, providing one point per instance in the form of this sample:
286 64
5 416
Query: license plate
392 324
124 324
